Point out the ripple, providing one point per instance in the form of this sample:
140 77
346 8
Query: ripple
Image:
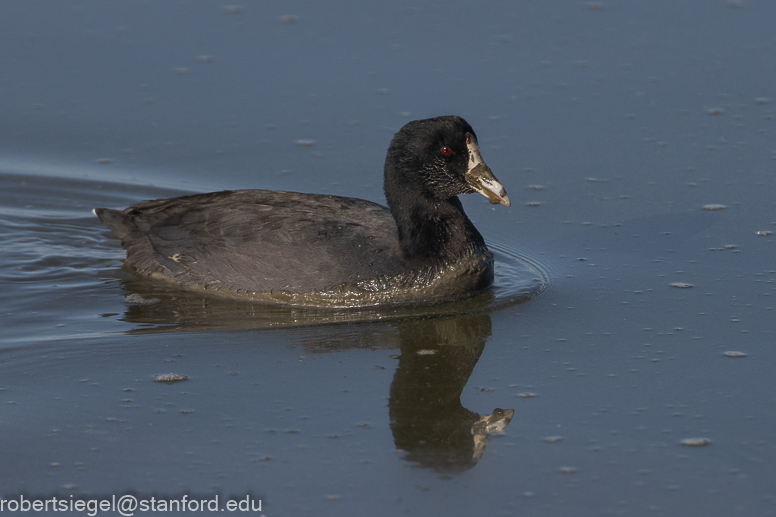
519 278
63 274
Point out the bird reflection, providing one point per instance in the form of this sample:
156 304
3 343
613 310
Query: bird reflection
440 346
427 419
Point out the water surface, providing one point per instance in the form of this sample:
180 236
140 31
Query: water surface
614 126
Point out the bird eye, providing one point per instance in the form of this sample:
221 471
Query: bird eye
447 151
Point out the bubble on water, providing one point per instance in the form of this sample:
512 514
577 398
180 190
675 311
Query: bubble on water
533 203
553 439
305 143
733 353
695 442
715 111
170 377
682 285
568 470
763 233
525 395
426 352
714 206
136 299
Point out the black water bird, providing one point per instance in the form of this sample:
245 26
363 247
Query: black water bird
315 249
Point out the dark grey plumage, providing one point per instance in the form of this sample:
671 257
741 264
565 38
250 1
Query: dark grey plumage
262 243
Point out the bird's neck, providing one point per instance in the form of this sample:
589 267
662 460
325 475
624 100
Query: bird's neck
434 231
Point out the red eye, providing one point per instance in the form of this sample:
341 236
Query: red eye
447 151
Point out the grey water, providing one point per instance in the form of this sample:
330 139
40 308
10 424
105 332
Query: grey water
630 330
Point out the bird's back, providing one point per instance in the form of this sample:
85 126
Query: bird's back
259 241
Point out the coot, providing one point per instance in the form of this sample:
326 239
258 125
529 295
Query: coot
315 249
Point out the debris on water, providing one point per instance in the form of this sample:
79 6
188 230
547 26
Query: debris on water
181 70
426 352
695 442
553 439
536 187
714 206
568 470
763 233
205 59
682 285
170 377
232 9
715 111
762 100
288 19
104 161
525 395
533 203
733 353
136 299
305 143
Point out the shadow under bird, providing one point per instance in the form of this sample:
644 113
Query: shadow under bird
324 250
